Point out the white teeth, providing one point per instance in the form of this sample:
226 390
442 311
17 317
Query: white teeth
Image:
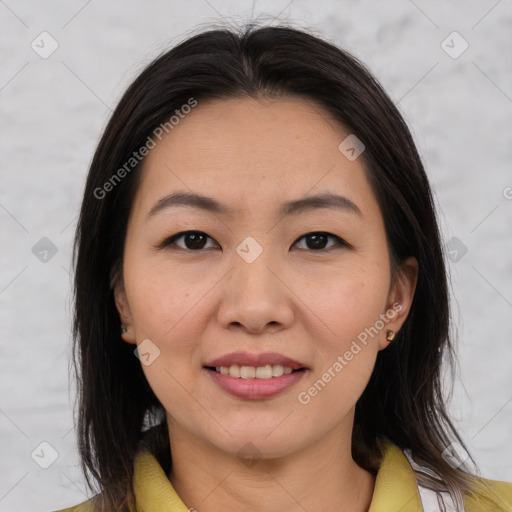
247 372
264 372
234 371
277 370
252 372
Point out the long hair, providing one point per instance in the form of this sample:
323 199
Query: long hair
403 400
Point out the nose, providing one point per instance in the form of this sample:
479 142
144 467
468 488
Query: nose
255 297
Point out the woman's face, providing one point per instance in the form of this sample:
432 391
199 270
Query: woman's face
271 280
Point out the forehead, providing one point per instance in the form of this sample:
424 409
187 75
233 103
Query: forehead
250 153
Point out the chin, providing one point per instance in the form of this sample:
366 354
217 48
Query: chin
256 443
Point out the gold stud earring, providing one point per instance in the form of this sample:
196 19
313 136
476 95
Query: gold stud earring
390 335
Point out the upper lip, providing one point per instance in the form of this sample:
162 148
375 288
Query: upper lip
247 359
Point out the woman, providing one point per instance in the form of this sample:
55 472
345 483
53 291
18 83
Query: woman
257 220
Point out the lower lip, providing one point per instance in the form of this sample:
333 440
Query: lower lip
255 389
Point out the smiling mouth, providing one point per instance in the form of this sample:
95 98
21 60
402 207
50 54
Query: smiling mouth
254 372
260 382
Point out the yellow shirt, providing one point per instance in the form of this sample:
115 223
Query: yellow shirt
395 489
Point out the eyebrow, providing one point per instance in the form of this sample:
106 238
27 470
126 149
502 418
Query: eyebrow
209 204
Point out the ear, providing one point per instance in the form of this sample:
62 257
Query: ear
124 311
400 298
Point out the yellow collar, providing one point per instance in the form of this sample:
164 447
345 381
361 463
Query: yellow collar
395 486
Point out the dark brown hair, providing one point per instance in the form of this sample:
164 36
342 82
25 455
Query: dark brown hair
403 400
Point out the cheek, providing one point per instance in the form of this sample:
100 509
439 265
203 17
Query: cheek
163 297
345 343
167 310
349 301
348 308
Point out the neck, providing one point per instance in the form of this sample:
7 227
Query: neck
322 476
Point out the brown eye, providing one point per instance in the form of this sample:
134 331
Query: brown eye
318 240
192 240
197 240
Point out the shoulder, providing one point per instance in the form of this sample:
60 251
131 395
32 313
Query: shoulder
397 487
487 494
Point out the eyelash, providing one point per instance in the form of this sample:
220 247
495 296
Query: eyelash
170 240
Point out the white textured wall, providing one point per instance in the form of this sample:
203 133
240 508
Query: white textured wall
53 111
